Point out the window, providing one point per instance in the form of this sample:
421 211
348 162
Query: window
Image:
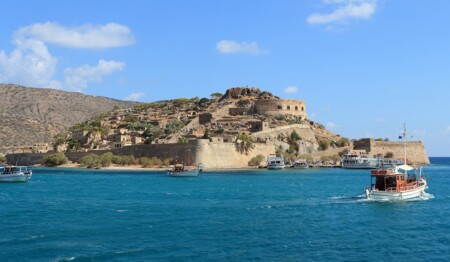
296 108
288 108
280 107
303 108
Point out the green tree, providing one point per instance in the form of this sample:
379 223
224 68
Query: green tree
55 159
151 133
256 161
246 142
203 101
144 161
167 161
173 127
2 159
91 160
324 144
106 159
294 136
343 141
216 95
131 118
73 145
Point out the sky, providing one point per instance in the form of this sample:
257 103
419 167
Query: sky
363 67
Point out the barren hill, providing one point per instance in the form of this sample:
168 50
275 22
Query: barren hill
36 115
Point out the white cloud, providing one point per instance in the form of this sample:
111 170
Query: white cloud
344 11
77 79
291 90
32 64
29 64
84 36
233 47
134 96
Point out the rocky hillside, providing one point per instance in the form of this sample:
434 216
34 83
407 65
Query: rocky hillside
36 115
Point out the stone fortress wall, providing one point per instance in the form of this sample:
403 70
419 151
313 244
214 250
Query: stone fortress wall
202 151
415 150
274 107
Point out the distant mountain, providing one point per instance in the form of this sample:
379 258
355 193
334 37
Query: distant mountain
36 115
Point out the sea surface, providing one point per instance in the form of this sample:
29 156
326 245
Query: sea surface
260 215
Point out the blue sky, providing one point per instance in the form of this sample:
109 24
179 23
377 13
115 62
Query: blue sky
364 67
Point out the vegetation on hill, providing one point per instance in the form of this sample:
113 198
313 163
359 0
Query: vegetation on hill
55 160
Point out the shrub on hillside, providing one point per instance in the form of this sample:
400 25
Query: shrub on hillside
343 141
55 160
256 161
324 144
91 161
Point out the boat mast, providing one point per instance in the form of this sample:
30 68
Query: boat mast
404 142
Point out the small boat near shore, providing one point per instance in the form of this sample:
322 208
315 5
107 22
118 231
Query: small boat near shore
185 169
300 164
275 161
180 170
396 183
15 174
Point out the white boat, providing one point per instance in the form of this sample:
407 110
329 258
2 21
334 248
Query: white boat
185 169
180 170
11 173
275 162
300 164
396 183
388 163
355 161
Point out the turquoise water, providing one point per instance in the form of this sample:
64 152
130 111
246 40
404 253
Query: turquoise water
289 215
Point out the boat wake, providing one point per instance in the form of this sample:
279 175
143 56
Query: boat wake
349 199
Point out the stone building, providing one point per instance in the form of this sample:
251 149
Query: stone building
275 107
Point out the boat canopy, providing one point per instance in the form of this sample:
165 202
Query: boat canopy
406 167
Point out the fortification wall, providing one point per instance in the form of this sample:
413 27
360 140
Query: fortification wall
228 155
415 150
276 107
304 131
209 154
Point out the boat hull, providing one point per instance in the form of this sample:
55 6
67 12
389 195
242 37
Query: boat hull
187 173
395 196
369 165
275 167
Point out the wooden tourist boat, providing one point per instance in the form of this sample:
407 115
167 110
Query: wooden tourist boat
396 183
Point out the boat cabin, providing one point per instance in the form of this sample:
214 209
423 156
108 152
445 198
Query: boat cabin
388 180
178 168
9 170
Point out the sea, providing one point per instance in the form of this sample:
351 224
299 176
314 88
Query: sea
253 215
